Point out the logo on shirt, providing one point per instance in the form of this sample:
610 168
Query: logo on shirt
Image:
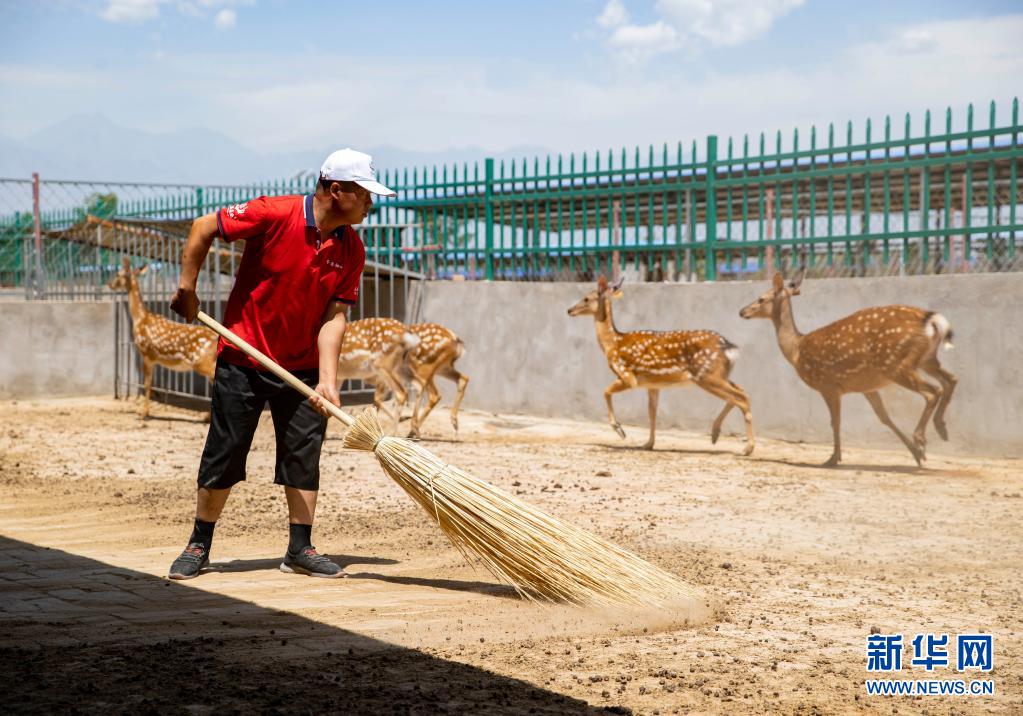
236 210
334 264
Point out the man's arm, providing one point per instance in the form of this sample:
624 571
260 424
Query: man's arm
332 333
185 302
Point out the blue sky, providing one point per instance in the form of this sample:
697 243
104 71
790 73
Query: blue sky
573 75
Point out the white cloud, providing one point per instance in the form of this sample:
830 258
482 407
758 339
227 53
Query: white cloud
614 14
724 23
691 23
131 10
636 43
225 19
915 40
137 11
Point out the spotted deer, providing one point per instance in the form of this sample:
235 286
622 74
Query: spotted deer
435 355
662 359
373 350
160 341
862 353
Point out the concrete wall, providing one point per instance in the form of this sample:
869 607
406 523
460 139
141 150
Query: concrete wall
54 349
525 354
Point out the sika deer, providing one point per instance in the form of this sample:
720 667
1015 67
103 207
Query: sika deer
177 346
373 350
436 354
662 359
862 353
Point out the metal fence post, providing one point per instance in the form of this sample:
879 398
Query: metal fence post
711 217
37 230
488 210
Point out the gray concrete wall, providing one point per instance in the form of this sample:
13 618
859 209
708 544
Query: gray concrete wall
525 354
56 349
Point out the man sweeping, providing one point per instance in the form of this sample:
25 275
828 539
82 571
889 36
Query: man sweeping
298 274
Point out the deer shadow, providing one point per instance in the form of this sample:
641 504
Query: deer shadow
674 451
852 467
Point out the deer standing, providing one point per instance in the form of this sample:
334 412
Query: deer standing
435 355
663 359
862 353
160 341
373 350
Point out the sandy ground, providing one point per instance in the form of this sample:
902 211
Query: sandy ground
799 562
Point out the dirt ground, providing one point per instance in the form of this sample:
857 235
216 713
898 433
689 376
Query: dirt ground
800 563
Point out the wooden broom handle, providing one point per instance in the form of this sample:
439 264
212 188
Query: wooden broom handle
264 361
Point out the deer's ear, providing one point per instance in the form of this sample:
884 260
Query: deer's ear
797 282
125 263
601 283
139 272
779 282
617 285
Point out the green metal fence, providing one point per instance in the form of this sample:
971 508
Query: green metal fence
917 199
927 196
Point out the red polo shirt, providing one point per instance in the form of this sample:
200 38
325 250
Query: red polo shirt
288 275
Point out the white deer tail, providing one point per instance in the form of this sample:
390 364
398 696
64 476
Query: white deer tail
409 341
730 350
937 326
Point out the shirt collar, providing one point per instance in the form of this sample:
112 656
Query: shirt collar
310 218
307 211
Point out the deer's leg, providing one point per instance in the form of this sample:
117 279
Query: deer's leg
417 420
734 396
379 399
913 381
874 398
147 372
948 385
834 402
617 387
715 429
651 407
462 380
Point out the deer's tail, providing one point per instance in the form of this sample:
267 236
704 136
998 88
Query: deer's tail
938 327
730 350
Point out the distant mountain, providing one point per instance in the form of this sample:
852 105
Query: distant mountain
93 147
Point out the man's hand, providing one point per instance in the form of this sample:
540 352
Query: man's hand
325 392
185 303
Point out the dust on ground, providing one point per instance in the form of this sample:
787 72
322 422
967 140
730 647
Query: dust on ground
800 562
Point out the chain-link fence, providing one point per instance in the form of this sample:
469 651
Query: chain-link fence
65 240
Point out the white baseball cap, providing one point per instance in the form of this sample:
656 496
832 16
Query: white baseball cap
350 165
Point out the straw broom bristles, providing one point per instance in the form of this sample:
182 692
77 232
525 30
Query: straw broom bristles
542 557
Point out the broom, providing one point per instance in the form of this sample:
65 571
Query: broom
542 557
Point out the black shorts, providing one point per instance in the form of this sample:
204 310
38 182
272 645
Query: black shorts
239 396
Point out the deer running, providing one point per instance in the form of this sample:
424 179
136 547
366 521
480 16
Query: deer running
862 353
662 359
177 346
435 355
373 350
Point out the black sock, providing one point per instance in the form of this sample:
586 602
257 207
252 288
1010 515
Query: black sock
203 533
300 537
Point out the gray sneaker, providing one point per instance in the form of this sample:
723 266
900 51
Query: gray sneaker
312 564
192 561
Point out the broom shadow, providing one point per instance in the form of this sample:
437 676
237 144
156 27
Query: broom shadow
486 588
